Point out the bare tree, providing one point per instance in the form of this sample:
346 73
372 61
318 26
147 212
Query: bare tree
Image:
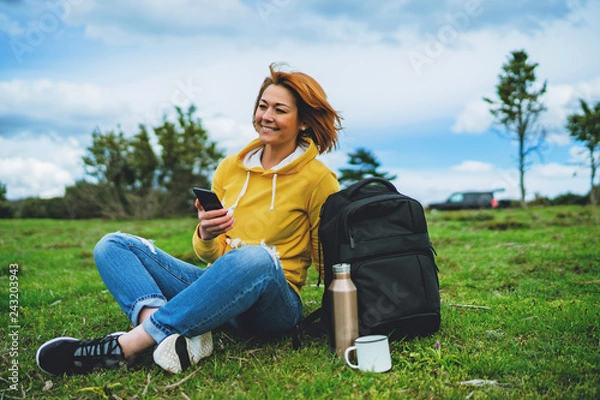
586 128
518 109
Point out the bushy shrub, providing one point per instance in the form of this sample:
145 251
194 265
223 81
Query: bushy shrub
6 210
596 190
540 201
570 199
35 207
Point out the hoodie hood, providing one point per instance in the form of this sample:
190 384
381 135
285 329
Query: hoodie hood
249 160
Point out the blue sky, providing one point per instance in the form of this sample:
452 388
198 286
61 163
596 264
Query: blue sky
408 77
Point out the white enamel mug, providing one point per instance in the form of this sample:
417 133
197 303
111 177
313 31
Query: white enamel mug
372 354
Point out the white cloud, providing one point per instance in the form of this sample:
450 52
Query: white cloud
380 90
555 99
11 27
475 118
559 138
26 177
215 54
553 170
49 148
550 180
160 22
472 166
59 104
560 100
580 156
39 166
562 45
429 186
229 134
553 179
563 100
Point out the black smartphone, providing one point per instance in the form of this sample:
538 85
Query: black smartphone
208 199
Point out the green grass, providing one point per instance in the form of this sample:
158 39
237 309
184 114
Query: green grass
536 272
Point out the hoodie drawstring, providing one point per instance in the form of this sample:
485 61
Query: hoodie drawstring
273 189
242 193
245 187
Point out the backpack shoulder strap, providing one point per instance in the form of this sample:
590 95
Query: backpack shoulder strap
312 317
312 325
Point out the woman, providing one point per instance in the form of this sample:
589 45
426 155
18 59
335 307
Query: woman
260 245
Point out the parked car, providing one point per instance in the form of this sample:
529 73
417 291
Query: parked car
468 200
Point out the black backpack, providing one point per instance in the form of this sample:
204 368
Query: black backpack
383 235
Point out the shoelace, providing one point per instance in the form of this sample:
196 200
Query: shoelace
98 350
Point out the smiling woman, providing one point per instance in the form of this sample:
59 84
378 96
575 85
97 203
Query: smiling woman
308 99
260 245
276 121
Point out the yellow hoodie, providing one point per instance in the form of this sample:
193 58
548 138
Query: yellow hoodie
278 207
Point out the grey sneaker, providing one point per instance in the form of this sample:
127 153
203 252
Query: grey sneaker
67 355
177 353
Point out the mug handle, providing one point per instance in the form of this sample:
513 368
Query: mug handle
347 353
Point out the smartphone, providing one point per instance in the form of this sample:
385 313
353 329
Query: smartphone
208 199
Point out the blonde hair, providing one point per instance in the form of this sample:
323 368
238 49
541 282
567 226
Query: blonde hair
321 120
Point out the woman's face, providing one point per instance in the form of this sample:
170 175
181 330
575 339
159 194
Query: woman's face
276 117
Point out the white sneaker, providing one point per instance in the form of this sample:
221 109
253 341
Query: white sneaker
177 353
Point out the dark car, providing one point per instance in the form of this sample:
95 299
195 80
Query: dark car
467 200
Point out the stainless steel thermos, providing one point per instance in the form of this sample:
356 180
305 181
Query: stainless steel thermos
344 309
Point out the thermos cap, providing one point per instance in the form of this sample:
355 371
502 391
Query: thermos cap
341 268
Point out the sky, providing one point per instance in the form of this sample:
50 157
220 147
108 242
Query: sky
407 76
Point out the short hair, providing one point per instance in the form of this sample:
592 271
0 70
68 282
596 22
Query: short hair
321 120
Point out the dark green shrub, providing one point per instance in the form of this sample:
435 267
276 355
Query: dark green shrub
505 225
6 210
570 199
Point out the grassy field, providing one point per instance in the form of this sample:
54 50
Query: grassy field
533 275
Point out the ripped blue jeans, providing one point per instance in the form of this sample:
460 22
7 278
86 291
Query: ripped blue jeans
245 287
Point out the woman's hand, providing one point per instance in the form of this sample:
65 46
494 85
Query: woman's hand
214 222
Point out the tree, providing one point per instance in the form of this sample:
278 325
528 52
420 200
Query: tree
3 192
518 109
364 166
132 180
86 200
6 210
109 162
188 157
144 163
586 128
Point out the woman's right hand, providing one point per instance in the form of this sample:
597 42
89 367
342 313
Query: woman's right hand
213 223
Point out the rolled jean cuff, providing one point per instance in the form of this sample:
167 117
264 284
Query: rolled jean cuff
154 329
150 301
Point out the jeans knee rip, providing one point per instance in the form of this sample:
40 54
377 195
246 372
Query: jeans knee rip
148 244
274 255
126 237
